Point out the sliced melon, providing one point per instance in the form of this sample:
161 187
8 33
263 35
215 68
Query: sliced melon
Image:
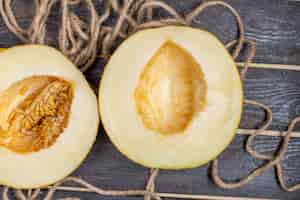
48 116
171 97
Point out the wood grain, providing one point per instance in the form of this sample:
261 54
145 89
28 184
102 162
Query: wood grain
275 27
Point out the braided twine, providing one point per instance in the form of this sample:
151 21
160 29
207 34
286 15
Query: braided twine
83 41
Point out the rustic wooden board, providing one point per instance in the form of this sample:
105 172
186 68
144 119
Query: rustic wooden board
275 27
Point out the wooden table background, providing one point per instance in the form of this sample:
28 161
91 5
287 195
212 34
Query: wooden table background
275 27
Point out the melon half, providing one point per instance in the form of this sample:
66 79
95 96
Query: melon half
48 116
171 97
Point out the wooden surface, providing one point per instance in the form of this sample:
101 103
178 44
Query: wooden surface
275 27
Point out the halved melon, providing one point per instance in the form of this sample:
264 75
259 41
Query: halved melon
171 97
48 116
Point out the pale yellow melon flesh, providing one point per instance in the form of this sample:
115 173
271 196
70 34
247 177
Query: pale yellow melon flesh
171 97
48 119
